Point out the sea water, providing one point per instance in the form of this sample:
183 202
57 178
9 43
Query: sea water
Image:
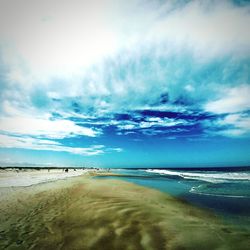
225 191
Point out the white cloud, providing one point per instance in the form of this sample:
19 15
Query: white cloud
51 46
232 100
77 51
217 26
236 125
62 38
57 35
127 126
166 122
231 125
151 122
38 144
44 128
234 132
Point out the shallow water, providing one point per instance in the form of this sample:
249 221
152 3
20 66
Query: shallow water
225 191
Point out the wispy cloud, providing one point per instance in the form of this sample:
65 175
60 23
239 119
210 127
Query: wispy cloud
151 122
230 125
77 34
70 68
235 125
7 141
231 100
44 128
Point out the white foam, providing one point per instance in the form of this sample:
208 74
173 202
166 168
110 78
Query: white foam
211 176
28 178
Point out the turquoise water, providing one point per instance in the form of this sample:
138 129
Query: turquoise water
225 192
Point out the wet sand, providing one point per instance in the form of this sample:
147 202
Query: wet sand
87 213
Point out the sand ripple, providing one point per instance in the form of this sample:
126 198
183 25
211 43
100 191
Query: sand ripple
108 214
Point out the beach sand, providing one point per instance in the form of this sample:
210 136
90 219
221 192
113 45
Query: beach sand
94 213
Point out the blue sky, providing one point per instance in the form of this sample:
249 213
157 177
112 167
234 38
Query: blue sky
125 83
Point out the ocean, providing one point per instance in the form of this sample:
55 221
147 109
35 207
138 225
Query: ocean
224 191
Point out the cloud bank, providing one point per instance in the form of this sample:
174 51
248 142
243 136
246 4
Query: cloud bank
85 69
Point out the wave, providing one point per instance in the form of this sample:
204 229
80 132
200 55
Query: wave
219 192
218 195
208 176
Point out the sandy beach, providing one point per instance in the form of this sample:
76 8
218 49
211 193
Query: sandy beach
88 213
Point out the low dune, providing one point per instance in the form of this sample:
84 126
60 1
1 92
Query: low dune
89 213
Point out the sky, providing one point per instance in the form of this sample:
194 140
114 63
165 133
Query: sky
113 83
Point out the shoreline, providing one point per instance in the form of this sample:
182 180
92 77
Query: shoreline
93 213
